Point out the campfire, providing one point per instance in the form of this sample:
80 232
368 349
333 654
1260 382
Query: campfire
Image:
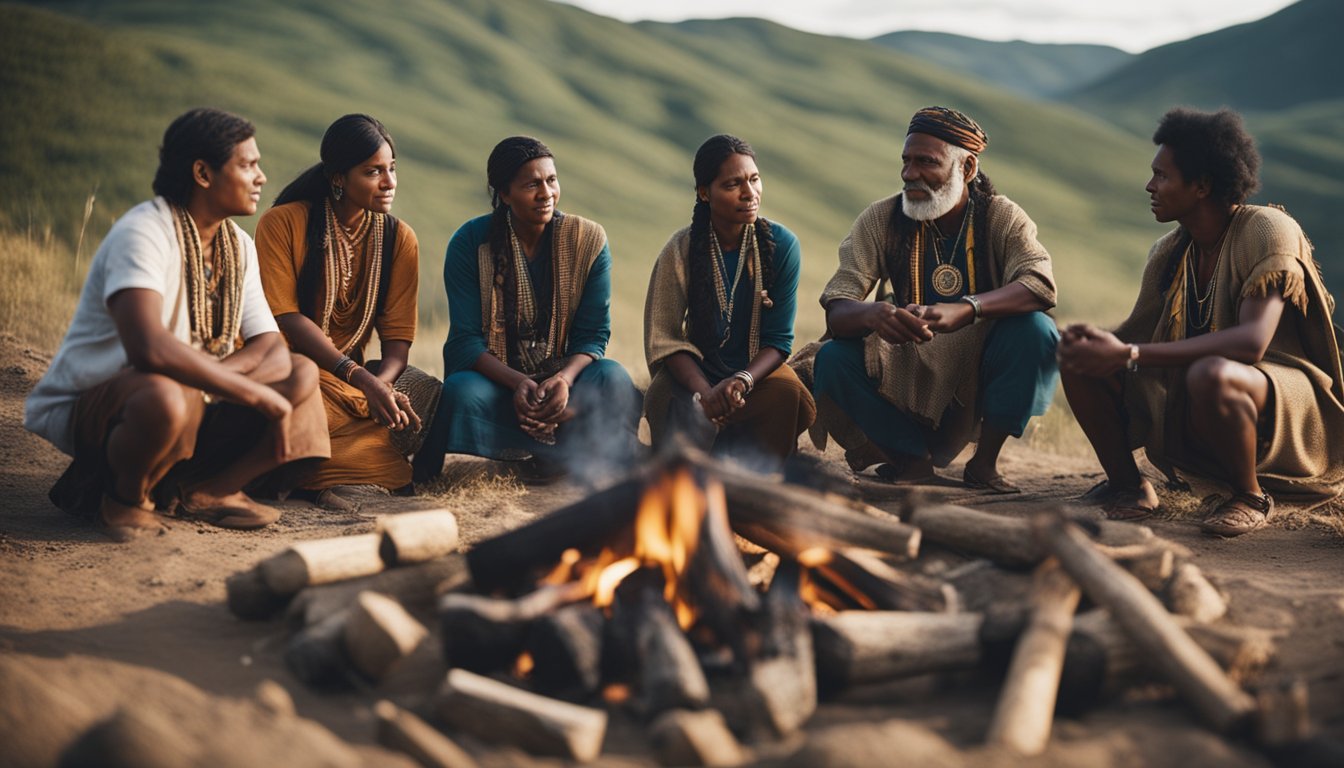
713 605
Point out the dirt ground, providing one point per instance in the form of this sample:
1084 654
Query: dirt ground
93 626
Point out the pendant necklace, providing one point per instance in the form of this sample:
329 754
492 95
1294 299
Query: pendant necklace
947 278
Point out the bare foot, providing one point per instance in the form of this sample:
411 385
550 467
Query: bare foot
234 510
126 522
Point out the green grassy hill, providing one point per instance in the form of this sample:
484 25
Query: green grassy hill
623 106
1282 73
1031 69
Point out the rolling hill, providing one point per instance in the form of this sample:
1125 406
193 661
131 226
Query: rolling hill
1281 73
1031 69
623 106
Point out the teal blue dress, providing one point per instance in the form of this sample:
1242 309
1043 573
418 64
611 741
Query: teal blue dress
476 416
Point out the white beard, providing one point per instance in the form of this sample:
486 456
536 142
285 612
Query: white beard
941 201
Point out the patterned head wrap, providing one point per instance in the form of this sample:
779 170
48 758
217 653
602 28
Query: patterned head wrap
951 126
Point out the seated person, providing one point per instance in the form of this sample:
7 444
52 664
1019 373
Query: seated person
336 267
961 342
529 297
718 321
1228 366
149 391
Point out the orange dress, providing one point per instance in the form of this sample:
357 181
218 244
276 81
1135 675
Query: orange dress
361 449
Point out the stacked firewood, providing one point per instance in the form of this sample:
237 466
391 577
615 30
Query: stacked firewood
785 594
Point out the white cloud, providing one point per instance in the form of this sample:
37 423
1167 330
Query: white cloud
1134 25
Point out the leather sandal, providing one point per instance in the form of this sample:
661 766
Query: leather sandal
126 521
912 472
996 483
238 512
1243 513
1124 504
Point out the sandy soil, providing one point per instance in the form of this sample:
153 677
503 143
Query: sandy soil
144 625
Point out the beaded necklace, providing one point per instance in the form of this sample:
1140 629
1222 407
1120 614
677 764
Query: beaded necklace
210 287
338 250
727 295
1203 309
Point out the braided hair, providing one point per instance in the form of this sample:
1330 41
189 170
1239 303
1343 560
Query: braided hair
349 141
506 159
703 303
902 236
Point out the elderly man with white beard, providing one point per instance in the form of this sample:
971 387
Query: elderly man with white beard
956 340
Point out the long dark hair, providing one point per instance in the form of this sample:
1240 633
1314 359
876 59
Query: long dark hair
199 134
902 239
506 159
703 304
349 141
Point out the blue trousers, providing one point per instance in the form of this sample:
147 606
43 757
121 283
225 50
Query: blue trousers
476 416
1018 374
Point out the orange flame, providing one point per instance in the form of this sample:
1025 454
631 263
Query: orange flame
666 530
522 667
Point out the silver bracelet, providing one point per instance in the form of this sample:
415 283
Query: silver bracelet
746 378
975 304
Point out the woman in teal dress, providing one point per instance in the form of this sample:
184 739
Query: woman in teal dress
718 322
529 295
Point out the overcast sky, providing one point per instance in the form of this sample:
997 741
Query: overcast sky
1134 25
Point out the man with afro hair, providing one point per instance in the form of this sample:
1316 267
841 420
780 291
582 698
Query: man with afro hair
1228 366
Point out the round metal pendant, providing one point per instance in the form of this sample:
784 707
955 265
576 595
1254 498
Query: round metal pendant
946 280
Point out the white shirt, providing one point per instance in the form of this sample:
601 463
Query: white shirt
140 251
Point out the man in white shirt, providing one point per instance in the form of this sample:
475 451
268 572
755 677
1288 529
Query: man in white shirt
150 392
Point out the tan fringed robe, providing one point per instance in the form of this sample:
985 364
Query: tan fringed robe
927 380
362 451
1264 250
576 243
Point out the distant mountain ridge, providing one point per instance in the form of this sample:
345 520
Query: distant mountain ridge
1032 69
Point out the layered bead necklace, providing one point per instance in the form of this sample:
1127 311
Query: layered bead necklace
212 286
339 262
727 295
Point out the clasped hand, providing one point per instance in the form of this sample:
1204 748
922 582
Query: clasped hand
541 408
387 406
724 399
919 323
1090 351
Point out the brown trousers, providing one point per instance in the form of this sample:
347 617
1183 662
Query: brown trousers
778 410
216 435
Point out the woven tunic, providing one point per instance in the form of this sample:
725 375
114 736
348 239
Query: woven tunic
361 449
1265 250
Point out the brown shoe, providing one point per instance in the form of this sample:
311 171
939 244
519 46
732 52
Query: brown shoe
1243 513
237 511
127 522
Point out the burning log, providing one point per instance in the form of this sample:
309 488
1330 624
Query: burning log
681 737
1190 594
485 634
415 586
1194 673
404 732
497 712
508 561
379 633
415 537
1026 708
780 690
1005 540
800 519
857 647
669 672
566 649
888 588
322 561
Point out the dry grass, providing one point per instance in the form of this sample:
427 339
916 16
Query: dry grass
40 289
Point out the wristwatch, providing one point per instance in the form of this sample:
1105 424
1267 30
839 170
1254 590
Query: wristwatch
1132 364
